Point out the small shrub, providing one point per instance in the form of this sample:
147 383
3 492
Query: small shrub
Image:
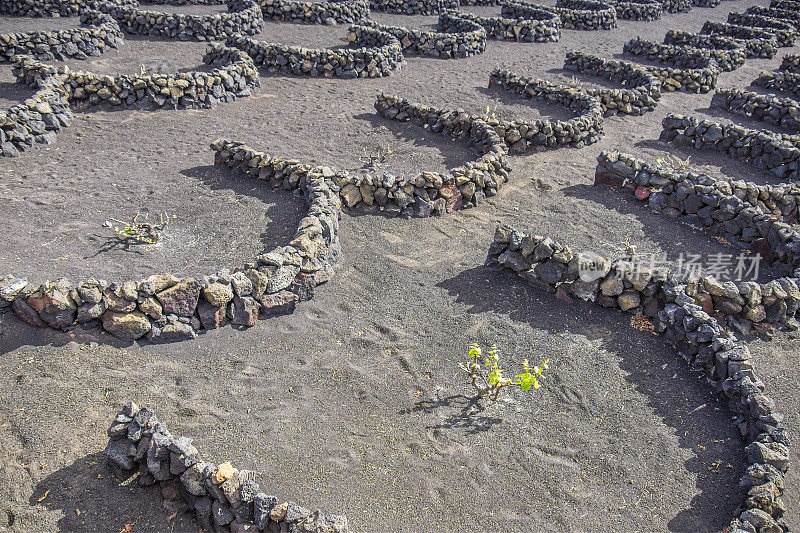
379 155
141 232
486 376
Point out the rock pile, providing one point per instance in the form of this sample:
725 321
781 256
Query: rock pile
166 308
700 339
540 27
785 32
574 14
637 9
755 48
375 54
99 31
584 129
235 76
414 7
243 17
791 63
779 81
783 112
222 498
791 16
347 12
431 193
743 33
677 6
691 70
706 3
644 92
767 151
39 118
457 37
729 53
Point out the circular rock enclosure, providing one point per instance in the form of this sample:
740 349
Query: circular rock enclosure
701 317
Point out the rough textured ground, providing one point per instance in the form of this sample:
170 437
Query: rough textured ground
354 403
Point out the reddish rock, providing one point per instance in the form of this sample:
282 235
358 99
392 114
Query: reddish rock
243 311
27 314
54 305
211 316
605 178
642 192
706 302
451 195
180 299
279 303
762 247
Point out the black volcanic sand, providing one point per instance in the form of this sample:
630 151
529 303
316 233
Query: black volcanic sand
355 403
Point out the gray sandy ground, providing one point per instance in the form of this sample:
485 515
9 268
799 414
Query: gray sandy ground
355 402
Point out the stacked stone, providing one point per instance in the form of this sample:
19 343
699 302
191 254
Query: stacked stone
311 12
222 498
693 70
789 5
482 2
767 151
166 308
188 2
753 48
783 112
431 193
790 63
574 14
727 52
42 8
545 28
99 31
644 92
586 128
375 54
785 32
235 77
742 305
638 9
457 37
677 6
39 118
706 3
790 16
243 17
745 33
779 81
701 339
414 7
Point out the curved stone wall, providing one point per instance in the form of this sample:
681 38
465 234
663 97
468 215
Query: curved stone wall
791 16
638 9
677 6
413 7
790 63
375 54
644 92
429 193
783 112
754 48
700 339
785 32
40 117
584 129
791 5
457 38
99 31
736 31
243 17
574 14
42 8
768 152
694 70
166 308
546 27
729 53
706 3
222 499
779 81
235 76
300 12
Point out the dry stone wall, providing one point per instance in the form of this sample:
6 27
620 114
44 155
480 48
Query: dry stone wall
779 81
691 70
42 8
414 7
457 38
791 63
243 17
39 118
698 337
330 13
638 9
574 14
785 32
642 96
375 54
791 16
584 129
783 112
546 27
744 33
222 498
677 6
99 32
166 308
729 53
235 76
